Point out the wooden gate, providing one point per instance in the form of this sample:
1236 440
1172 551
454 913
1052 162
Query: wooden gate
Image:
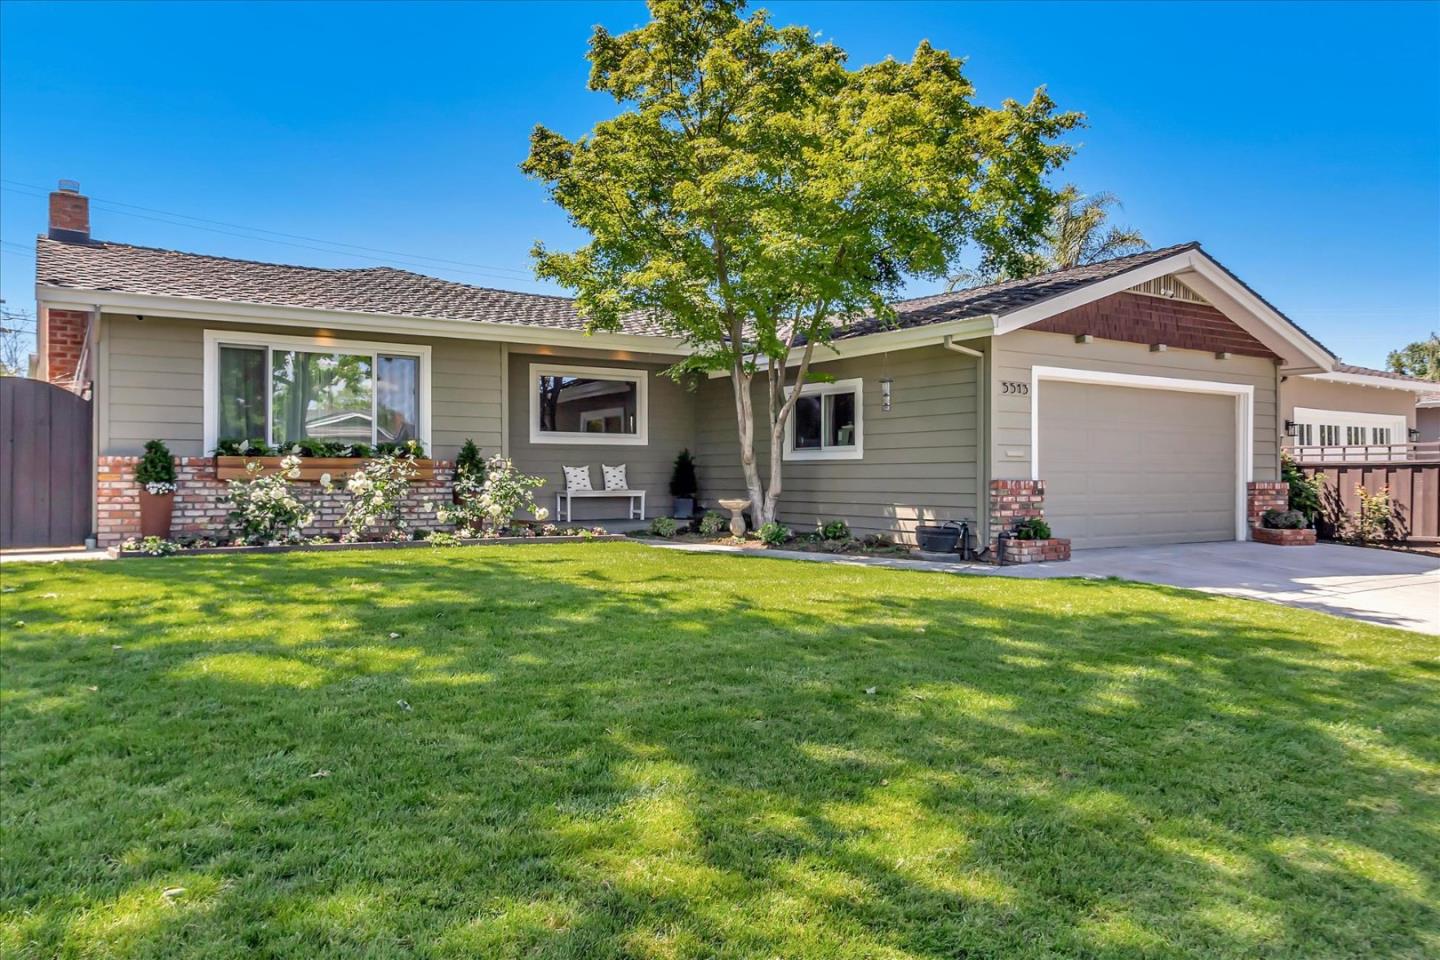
46 470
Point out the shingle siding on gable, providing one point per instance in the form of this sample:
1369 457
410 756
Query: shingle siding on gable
1134 318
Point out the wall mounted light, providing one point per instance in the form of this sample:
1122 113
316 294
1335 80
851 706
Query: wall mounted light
1291 429
887 387
1414 434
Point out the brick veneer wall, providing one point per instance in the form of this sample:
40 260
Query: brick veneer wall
64 341
1012 501
1036 551
1262 495
200 510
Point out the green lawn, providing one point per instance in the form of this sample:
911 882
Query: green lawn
603 750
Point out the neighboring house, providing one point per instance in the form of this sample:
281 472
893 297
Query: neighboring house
1135 401
1351 406
1427 418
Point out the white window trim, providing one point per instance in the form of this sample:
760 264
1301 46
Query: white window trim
215 339
640 438
1244 394
854 451
1397 422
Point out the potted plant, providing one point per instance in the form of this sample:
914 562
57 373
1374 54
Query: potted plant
684 485
155 473
1285 528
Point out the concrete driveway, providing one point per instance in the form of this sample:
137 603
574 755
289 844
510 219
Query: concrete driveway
1378 586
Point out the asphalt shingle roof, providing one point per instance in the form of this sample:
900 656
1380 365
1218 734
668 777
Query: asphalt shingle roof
1010 295
125 268
1372 372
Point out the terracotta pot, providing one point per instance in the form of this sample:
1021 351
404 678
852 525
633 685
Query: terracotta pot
155 510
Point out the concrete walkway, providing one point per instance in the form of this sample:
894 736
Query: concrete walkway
1378 586
49 555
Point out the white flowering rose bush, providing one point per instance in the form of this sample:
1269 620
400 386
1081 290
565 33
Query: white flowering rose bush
487 499
377 492
263 509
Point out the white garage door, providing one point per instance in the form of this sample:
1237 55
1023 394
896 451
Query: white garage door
1124 466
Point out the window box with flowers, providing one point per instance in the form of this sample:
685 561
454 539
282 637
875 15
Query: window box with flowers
318 459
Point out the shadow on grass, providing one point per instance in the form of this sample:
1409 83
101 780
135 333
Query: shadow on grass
607 751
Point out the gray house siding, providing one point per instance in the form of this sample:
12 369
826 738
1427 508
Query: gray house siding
151 370
1015 354
648 467
919 458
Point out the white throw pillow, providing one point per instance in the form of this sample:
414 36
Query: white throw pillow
614 477
577 478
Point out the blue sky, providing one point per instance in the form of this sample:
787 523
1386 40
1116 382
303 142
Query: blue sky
1299 142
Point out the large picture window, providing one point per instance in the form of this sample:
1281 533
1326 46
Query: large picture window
825 424
588 405
286 389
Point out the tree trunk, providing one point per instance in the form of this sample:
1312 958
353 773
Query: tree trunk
745 418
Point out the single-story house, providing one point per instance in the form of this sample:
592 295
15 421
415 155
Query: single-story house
1141 400
1353 406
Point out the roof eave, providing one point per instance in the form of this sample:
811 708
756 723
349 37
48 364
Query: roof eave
1369 380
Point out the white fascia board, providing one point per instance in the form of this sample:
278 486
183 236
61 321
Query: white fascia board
886 341
1382 383
225 311
1213 283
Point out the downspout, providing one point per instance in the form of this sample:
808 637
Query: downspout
982 445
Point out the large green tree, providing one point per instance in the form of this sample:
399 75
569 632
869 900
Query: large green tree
1419 359
754 195
1079 232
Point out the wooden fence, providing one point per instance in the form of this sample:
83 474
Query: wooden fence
46 471
1413 485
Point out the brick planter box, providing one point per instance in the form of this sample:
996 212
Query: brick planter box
1035 551
1283 538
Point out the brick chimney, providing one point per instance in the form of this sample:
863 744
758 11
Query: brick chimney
69 213
63 333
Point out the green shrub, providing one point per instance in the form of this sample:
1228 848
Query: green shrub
156 469
834 530
1304 491
1374 520
1283 520
683 481
713 523
1032 529
773 534
150 546
410 448
314 447
439 538
470 463
664 527
244 448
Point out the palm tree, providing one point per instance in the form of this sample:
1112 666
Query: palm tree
1078 234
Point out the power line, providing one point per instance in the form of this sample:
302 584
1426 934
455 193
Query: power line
347 249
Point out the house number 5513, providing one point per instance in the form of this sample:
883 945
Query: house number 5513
1015 387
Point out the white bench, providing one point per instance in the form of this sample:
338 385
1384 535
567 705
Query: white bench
636 509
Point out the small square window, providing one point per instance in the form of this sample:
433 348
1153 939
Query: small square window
825 423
